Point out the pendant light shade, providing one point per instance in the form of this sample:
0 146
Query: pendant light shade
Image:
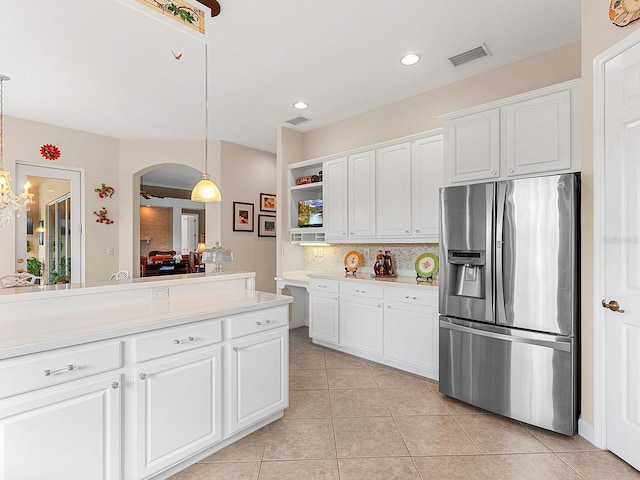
205 190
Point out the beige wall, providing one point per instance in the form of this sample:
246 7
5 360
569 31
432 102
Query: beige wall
419 114
598 34
97 156
245 173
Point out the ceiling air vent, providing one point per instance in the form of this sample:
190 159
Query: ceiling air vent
470 55
297 120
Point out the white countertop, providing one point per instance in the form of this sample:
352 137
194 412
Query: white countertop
301 278
93 321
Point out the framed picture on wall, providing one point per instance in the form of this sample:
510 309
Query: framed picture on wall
242 217
267 202
266 226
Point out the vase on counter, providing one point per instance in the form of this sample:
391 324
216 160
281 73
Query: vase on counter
380 267
388 263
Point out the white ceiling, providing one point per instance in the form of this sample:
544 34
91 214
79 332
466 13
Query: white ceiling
106 66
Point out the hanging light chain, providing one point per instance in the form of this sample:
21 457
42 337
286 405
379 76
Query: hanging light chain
2 79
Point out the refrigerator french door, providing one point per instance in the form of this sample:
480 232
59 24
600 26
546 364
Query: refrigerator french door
509 298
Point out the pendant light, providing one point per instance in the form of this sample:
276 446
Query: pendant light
205 190
10 203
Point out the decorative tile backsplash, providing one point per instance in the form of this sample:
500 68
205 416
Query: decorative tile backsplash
331 259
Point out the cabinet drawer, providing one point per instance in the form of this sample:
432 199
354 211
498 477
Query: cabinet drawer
42 370
331 286
428 298
258 321
362 289
176 339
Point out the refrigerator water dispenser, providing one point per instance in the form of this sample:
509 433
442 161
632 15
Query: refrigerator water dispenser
467 271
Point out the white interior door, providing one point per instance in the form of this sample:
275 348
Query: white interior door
622 260
189 233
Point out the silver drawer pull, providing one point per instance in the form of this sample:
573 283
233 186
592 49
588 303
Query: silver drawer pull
114 385
235 349
184 340
411 298
143 376
266 322
68 368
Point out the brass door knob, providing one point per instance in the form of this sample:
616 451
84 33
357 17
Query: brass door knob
613 306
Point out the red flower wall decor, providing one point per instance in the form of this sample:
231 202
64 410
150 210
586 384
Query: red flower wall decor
50 152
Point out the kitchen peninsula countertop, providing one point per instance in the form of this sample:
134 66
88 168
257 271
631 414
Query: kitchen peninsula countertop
301 278
44 318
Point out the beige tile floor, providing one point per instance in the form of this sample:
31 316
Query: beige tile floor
350 419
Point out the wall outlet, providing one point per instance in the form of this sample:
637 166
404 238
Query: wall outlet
367 253
110 251
159 293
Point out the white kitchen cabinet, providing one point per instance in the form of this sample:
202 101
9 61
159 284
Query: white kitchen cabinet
178 405
391 323
530 134
387 191
335 199
361 324
361 180
258 377
393 190
473 146
66 432
411 335
426 179
324 314
538 134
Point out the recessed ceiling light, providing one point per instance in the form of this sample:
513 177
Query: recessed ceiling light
410 59
301 105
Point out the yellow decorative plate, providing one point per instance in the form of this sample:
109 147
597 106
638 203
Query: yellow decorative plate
352 260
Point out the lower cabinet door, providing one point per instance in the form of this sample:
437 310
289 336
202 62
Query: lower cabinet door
324 312
178 402
68 432
411 335
258 377
361 325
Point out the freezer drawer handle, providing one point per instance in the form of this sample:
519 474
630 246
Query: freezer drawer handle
564 346
613 306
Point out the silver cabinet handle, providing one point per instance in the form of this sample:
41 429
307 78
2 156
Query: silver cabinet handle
361 291
410 298
407 231
344 233
350 233
114 385
184 340
389 307
511 170
68 368
235 349
266 322
143 376
379 306
494 172
417 231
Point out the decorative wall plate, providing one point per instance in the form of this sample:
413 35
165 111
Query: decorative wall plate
352 260
427 265
623 12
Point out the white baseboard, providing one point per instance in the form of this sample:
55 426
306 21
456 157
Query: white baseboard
586 431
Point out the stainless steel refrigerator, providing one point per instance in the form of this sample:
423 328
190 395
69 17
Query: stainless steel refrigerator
509 298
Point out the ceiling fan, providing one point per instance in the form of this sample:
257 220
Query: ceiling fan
144 194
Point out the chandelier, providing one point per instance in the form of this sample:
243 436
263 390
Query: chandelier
10 203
